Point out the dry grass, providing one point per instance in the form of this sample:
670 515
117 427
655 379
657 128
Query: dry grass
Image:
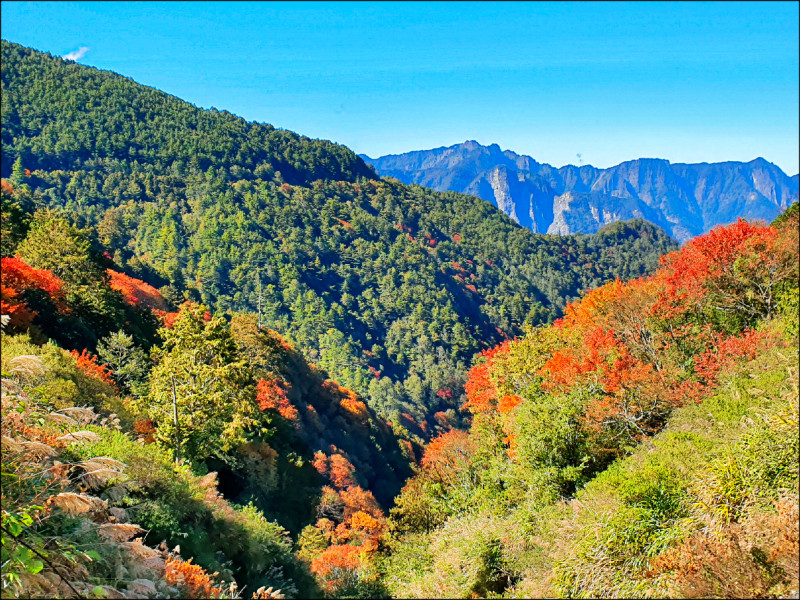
27 366
10 445
61 419
82 414
77 504
80 436
120 532
39 450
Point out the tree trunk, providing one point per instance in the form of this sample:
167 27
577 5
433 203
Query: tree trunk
175 420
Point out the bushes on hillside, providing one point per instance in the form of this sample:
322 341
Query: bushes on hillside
664 409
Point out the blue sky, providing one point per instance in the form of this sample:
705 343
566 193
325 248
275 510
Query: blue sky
690 82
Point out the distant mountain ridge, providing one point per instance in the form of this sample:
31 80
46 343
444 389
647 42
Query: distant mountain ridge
684 199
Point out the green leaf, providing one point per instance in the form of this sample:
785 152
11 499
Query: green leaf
21 554
92 555
34 566
14 526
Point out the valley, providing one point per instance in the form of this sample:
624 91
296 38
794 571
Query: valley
239 362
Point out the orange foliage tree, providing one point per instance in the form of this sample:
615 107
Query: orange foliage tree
88 364
357 499
632 352
17 274
347 399
738 269
193 581
19 312
320 463
481 391
272 395
18 280
341 471
338 566
136 292
449 456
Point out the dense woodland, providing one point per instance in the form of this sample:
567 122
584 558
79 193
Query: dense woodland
238 364
645 445
389 288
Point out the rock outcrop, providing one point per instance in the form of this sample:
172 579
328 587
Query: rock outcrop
684 199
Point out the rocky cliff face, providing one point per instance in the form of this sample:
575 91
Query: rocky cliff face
684 199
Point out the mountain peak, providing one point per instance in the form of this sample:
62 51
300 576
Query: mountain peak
645 160
685 199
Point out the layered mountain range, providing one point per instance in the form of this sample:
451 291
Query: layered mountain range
684 199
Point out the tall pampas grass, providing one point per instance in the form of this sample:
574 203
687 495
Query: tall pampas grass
77 504
27 366
80 436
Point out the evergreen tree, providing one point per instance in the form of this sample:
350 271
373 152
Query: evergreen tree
14 220
200 392
128 363
17 173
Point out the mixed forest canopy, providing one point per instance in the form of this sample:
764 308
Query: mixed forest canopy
389 288
644 445
237 364
176 437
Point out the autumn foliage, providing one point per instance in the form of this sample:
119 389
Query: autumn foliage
136 292
739 268
88 364
18 280
335 563
447 454
11 305
272 395
633 352
481 392
192 580
347 399
351 523
19 276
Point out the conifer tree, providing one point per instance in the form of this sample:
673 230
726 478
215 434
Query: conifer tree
201 395
17 173
127 362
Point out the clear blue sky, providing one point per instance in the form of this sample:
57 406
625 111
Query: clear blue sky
689 82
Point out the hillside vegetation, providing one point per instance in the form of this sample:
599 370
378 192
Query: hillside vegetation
214 437
218 380
645 445
389 288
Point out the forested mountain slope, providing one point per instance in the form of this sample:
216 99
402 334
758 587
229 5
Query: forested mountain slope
639 441
644 446
215 436
103 461
389 288
684 199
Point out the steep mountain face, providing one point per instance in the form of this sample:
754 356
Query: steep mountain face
684 199
390 288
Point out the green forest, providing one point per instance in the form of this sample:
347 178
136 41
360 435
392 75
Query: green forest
238 364
389 288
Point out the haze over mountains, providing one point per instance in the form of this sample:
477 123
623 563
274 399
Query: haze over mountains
684 199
